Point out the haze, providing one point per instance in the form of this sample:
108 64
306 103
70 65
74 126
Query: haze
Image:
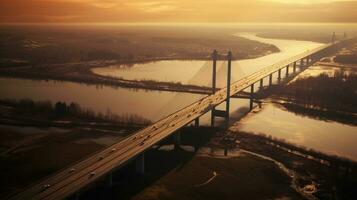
119 11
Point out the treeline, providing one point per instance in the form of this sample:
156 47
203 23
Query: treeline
72 111
323 92
346 58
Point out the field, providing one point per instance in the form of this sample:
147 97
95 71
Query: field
39 45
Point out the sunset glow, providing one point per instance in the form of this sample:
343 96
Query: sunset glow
116 11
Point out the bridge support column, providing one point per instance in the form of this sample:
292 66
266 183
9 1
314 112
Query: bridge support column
197 122
279 75
177 139
261 84
287 70
302 64
228 101
140 163
270 79
224 113
294 67
214 58
251 97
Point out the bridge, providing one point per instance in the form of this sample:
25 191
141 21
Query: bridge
70 181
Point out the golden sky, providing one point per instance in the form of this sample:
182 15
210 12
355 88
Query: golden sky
119 11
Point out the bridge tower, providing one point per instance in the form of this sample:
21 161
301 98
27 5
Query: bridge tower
222 113
333 39
214 75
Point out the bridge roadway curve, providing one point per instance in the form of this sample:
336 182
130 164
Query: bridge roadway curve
72 179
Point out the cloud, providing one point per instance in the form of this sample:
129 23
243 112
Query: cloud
154 6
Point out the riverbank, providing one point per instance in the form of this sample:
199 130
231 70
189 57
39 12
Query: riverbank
212 163
69 55
38 139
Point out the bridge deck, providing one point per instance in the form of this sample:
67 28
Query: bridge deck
81 174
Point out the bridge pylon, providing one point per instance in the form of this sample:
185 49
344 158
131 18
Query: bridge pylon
215 112
333 39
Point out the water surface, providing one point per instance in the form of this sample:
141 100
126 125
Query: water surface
327 136
200 72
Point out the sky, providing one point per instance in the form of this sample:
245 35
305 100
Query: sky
177 11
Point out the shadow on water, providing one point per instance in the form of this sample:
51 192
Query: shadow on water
127 182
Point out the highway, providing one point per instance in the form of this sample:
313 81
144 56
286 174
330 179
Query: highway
70 180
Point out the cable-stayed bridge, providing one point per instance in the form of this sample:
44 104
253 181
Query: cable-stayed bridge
101 165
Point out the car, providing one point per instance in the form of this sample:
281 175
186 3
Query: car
92 174
142 143
113 149
46 186
72 170
154 128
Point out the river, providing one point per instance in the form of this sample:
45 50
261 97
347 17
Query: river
154 105
199 72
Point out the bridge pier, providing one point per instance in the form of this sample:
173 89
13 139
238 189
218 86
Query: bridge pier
228 101
302 63
177 139
251 97
222 113
197 122
214 58
261 84
279 75
287 70
270 79
140 163
294 67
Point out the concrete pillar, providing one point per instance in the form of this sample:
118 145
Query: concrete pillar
177 139
294 67
212 118
251 97
229 58
261 84
333 39
279 75
197 122
140 163
224 113
270 79
302 63
214 58
287 71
